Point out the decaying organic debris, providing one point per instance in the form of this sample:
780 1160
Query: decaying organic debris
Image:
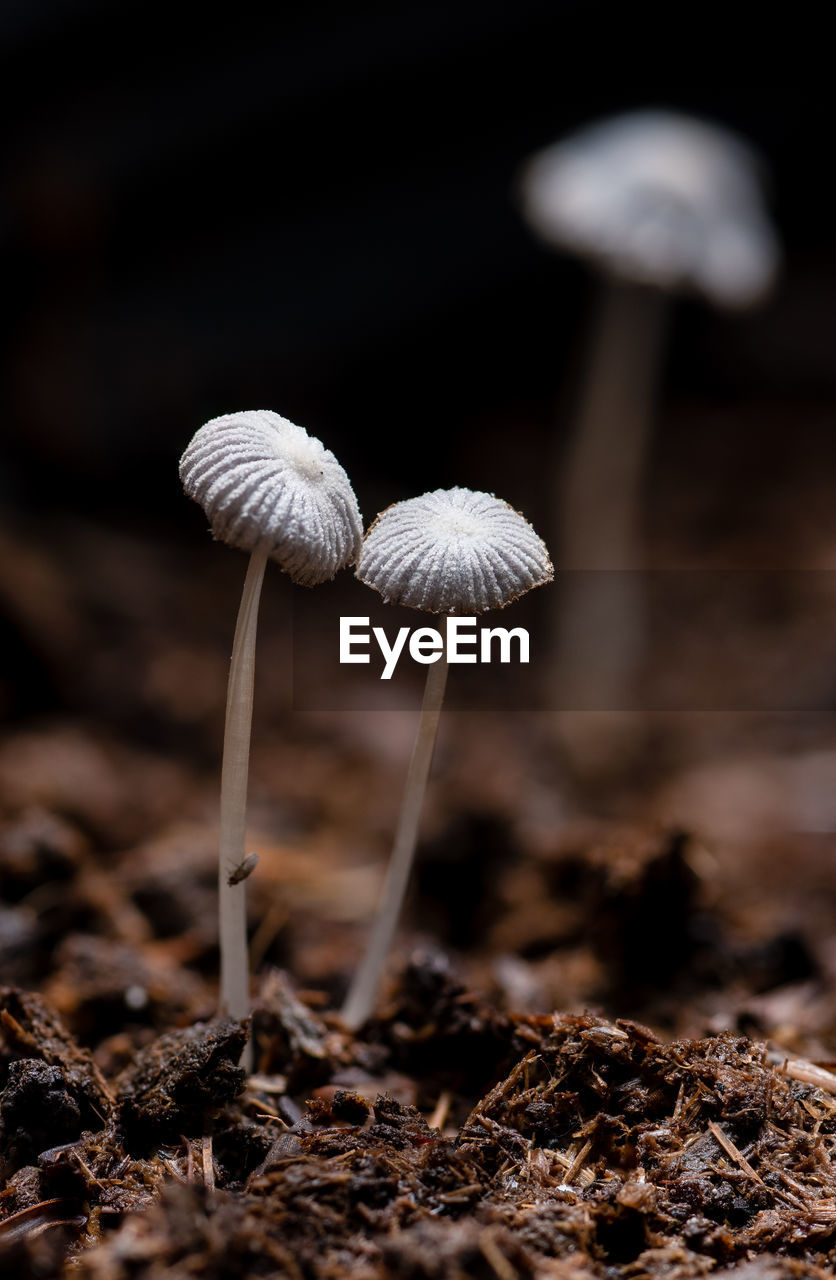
599 1151
181 1079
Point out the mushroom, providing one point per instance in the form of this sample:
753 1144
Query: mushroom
660 203
270 489
453 552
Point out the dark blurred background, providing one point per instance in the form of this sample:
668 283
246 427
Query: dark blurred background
311 209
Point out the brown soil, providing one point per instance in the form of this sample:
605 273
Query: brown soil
562 1145
507 1113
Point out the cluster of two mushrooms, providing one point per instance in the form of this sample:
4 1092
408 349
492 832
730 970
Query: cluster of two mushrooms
660 203
271 489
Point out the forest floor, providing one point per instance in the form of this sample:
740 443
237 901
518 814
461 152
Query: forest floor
606 1048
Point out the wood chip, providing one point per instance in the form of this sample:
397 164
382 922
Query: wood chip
208 1164
441 1110
577 1164
494 1256
809 1073
731 1150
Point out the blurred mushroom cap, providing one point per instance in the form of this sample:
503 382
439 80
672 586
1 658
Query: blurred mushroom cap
453 551
263 480
661 199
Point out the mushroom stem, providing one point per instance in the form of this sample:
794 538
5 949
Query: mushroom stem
364 987
600 626
606 459
235 997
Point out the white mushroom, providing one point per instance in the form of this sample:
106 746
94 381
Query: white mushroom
659 199
270 489
457 552
660 203
267 485
453 551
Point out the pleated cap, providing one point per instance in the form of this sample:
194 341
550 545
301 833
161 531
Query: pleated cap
453 551
264 481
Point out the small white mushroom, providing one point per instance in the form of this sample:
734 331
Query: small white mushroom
270 489
660 199
659 203
267 485
451 551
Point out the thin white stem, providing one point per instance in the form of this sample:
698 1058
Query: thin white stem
363 990
235 994
601 621
606 460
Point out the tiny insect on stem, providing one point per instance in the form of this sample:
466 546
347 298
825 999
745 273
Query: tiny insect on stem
244 869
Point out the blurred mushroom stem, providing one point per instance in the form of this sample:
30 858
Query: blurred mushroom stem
600 623
235 986
606 459
363 991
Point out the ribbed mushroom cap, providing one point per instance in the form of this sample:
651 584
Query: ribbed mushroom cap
453 551
658 198
263 480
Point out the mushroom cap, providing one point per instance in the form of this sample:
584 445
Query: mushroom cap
453 551
661 199
264 481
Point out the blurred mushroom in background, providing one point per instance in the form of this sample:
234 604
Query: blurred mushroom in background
659 203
